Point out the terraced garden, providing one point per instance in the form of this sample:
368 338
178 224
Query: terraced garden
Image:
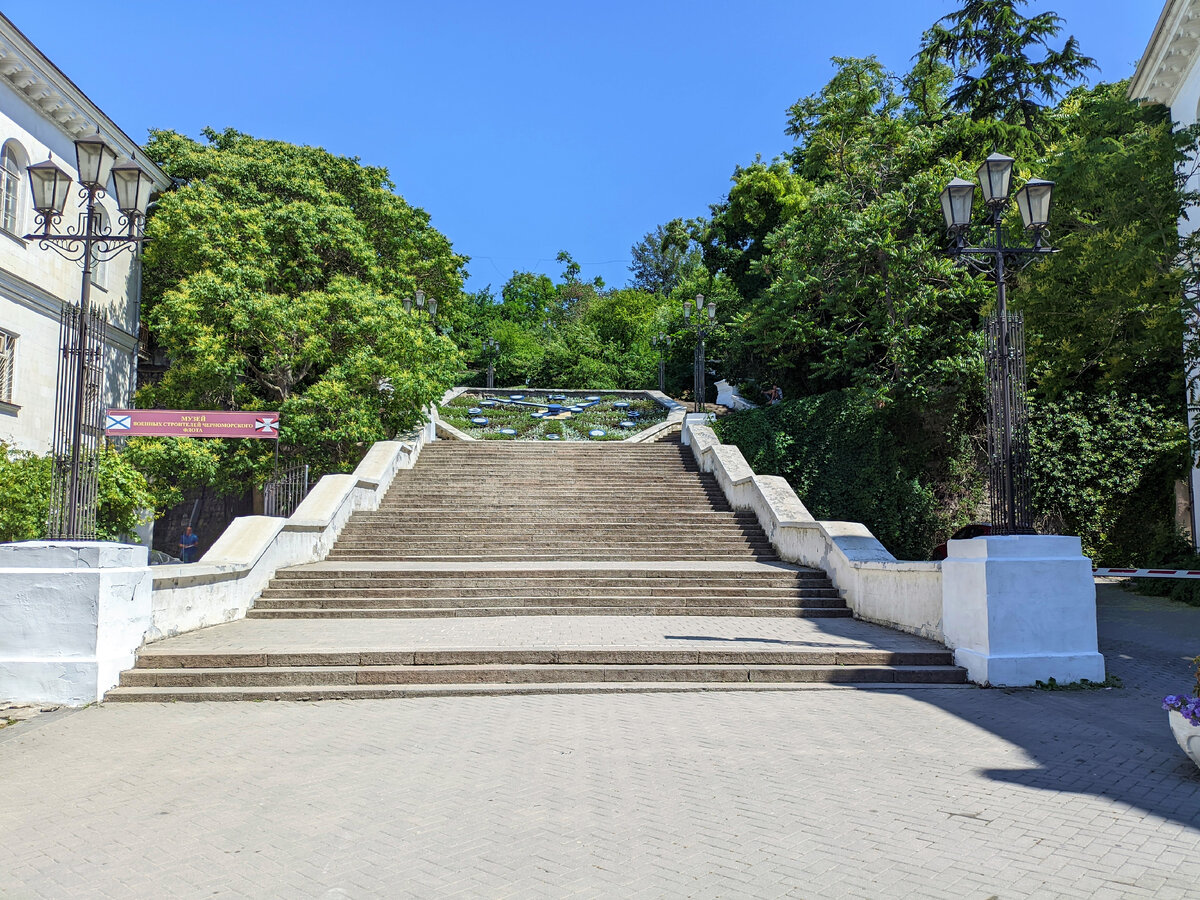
551 416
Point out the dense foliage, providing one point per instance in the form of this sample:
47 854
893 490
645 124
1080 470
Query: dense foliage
273 281
847 459
123 496
1100 466
570 333
832 254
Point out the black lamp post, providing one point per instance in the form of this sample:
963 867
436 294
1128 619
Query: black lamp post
491 351
662 341
430 306
702 325
1008 438
73 504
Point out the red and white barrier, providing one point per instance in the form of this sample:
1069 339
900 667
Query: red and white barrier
1147 573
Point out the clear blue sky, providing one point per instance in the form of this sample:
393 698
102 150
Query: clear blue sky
525 126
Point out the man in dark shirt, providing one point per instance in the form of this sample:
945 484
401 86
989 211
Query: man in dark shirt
187 545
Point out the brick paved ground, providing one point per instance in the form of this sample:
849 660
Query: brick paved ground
541 632
816 793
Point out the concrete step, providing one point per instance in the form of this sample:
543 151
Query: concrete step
581 592
329 676
700 517
476 555
667 549
151 658
396 692
658 609
766 578
364 599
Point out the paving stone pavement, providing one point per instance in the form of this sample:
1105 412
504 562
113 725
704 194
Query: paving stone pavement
810 794
540 632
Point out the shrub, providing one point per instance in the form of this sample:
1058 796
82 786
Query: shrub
1104 467
122 495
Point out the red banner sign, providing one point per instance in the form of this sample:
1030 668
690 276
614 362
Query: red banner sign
200 423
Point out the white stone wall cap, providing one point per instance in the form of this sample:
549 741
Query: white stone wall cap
317 510
898 565
1016 546
736 469
380 460
184 574
663 400
72 555
245 540
448 429
702 435
780 497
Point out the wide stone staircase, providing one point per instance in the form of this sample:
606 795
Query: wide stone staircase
530 567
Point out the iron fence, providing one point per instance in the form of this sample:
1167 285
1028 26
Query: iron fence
283 493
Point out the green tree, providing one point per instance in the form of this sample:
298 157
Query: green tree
990 45
273 281
1104 468
661 260
763 197
1103 313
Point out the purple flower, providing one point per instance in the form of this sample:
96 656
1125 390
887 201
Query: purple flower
1188 707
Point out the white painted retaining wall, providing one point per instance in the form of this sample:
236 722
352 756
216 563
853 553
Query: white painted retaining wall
72 615
875 585
1015 609
223 584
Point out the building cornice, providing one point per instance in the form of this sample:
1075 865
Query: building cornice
1173 50
32 297
58 100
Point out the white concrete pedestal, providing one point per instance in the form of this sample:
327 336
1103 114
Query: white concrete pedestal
694 418
72 617
1018 609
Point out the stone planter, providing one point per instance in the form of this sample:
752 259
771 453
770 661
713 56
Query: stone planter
1187 734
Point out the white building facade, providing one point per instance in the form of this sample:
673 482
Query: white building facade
1169 73
42 113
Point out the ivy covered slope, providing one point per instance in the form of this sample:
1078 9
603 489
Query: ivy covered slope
273 280
845 299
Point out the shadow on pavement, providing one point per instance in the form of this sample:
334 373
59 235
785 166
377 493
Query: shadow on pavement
1113 743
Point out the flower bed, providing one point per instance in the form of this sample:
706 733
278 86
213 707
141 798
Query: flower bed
610 417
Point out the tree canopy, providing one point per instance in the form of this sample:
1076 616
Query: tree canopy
273 280
843 294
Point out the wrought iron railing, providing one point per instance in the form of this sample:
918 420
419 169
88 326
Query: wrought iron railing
283 493
80 396
1008 426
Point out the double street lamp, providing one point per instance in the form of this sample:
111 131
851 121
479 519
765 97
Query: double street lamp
81 366
662 341
430 306
1008 438
702 325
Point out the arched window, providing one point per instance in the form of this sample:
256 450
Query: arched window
12 174
100 266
